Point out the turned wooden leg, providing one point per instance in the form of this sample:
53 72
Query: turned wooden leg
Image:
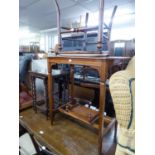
34 93
46 98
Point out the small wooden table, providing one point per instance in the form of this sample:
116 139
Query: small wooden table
44 77
101 64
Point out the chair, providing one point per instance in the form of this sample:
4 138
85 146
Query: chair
25 97
122 88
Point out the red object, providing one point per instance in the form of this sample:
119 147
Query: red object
24 97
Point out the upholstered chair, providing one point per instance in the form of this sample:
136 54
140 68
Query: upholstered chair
122 88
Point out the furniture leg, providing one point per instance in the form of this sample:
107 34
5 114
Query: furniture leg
72 81
96 97
60 90
50 92
101 111
34 93
67 87
102 73
46 97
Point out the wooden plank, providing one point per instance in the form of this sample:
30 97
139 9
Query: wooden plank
81 113
89 85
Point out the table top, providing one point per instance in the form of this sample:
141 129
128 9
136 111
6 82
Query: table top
87 61
65 137
88 56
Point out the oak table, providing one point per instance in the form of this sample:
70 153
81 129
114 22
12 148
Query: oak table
101 64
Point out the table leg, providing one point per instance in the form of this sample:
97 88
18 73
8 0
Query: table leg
60 90
103 74
46 98
50 93
101 111
67 88
72 82
96 97
34 93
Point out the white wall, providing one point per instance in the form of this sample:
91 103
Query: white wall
25 37
48 40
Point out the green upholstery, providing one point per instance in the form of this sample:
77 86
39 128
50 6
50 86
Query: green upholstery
122 88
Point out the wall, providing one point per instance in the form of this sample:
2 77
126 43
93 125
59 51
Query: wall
26 37
46 38
128 49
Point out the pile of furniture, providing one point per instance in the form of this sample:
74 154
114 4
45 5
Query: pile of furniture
81 110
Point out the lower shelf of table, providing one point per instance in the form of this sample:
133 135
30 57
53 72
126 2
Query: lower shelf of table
80 112
85 115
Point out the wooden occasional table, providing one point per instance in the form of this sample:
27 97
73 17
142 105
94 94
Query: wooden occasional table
72 109
44 77
34 76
